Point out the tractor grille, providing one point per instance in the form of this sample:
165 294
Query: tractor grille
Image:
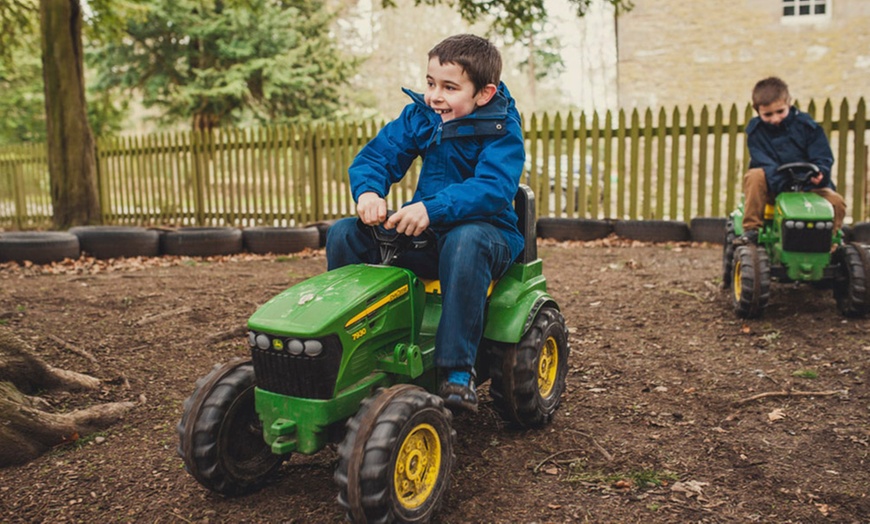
301 375
815 240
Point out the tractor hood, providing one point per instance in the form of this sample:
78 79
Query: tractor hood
331 301
804 206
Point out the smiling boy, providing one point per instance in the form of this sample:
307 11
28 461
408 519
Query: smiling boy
467 130
781 134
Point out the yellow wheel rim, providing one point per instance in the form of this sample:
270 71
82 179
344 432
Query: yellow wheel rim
735 282
417 466
548 366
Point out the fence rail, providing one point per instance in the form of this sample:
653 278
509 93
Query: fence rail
623 165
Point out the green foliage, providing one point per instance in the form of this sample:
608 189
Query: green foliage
511 18
217 61
18 18
806 373
23 102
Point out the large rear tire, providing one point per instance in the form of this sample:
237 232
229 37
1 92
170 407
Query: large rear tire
852 280
528 378
396 458
220 435
750 281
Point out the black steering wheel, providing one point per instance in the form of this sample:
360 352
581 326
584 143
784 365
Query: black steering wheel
391 243
799 172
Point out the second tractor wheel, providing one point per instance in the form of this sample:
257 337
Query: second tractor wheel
528 378
220 434
750 281
852 280
728 254
396 458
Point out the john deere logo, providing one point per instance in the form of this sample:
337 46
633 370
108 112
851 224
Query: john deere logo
277 344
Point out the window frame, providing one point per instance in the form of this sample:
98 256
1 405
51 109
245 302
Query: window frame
811 17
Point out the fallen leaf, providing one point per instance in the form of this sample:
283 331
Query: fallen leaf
552 471
776 414
690 488
554 506
745 329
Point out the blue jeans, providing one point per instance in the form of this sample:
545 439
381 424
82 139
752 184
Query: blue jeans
466 259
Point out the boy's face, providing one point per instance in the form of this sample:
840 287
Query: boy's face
774 113
451 93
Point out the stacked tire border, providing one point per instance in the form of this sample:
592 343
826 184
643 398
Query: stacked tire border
110 242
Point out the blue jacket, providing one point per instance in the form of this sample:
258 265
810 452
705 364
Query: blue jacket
798 138
471 165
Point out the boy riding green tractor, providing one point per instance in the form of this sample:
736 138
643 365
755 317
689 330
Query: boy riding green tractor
796 236
416 309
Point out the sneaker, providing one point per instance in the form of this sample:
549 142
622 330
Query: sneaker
458 390
750 236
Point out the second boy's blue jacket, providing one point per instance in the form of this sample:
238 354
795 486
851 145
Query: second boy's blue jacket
471 165
798 138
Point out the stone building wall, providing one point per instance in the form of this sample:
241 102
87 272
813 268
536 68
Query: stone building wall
679 53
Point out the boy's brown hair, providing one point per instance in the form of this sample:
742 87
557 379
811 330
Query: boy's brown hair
477 56
768 91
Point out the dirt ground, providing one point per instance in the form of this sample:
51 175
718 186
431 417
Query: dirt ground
653 427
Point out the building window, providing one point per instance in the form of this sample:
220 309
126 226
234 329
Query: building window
801 10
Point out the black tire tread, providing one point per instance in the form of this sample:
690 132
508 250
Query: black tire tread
514 387
202 241
105 242
38 247
652 230
562 229
205 410
374 478
280 240
754 281
852 283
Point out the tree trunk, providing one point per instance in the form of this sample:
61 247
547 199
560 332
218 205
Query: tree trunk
71 150
27 430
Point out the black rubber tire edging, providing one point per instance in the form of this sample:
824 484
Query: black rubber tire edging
39 247
652 230
708 229
103 242
573 228
202 241
860 232
280 240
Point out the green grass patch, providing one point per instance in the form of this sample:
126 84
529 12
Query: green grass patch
644 478
806 373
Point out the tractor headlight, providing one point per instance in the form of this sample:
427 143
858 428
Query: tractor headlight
263 341
313 347
789 224
295 347
829 225
252 339
799 224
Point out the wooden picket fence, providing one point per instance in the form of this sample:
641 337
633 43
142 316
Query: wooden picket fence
624 165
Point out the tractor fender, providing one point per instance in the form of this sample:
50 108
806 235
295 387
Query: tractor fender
509 323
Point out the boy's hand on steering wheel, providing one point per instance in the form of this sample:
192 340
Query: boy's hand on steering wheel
410 220
371 208
816 180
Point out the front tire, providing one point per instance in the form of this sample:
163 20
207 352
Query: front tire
852 281
395 461
750 281
220 434
528 378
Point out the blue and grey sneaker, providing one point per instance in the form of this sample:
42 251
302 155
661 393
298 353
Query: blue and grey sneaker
458 390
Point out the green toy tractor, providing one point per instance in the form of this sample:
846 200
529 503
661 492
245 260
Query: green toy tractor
348 357
796 244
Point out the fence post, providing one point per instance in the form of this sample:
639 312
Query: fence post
198 200
17 175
